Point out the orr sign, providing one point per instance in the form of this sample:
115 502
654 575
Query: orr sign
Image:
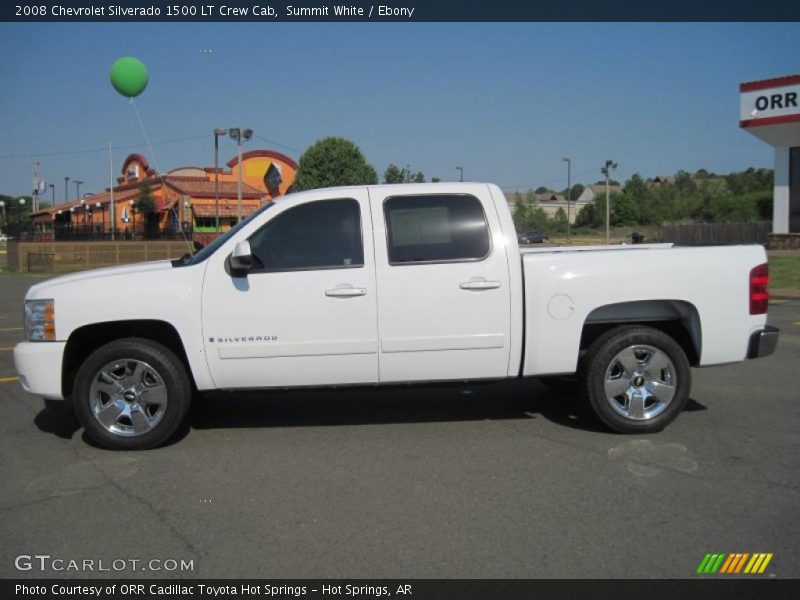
770 102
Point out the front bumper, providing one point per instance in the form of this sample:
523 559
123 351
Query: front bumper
39 367
763 342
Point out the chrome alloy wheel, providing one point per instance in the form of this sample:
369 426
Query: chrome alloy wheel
128 397
640 382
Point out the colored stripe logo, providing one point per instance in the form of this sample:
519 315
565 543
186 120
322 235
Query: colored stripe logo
735 563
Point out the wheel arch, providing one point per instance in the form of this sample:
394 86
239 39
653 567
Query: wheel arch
677 318
85 340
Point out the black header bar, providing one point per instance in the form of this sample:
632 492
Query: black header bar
267 11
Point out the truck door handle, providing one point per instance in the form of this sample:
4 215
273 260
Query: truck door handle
346 292
479 284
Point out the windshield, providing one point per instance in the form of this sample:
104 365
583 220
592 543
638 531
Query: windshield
201 255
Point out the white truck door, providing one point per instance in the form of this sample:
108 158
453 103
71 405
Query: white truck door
443 281
306 312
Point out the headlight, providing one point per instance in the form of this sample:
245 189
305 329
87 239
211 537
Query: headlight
40 320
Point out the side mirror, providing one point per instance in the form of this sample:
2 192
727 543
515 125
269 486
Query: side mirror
241 259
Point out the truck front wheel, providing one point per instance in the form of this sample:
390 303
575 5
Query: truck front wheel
637 379
131 394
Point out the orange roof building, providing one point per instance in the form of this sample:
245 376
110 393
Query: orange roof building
183 198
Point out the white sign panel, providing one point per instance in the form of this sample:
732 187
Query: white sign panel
781 101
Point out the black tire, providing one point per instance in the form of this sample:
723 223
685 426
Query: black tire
141 377
654 396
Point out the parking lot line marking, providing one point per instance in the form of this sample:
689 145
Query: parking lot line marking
8 379
12 329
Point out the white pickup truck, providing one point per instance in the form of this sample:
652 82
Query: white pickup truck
385 284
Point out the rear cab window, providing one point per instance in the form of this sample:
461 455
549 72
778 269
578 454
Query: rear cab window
432 228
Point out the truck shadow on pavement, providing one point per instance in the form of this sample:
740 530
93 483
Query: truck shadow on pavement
517 399
58 418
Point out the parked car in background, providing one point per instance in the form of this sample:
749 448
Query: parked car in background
532 237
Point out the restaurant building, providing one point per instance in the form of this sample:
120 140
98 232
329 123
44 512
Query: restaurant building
183 199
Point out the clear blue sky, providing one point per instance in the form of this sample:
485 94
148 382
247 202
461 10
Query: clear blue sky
505 101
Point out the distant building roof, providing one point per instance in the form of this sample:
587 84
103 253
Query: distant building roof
600 188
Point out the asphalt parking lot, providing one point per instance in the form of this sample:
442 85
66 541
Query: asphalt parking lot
494 480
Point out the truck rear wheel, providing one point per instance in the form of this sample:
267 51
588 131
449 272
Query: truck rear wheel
131 394
637 379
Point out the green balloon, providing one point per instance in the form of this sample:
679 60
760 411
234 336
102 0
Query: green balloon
129 76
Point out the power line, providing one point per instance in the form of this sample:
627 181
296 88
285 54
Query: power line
274 143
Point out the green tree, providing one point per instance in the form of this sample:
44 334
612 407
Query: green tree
538 219
623 210
541 190
587 217
522 213
560 220
393 174
144 203
15 213
331 162
640 193
575 192
685 183
145 206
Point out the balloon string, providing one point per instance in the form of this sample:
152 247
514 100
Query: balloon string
158 171
144 133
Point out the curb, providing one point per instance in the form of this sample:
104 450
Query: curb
785 294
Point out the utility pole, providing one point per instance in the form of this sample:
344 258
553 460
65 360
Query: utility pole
610 166
569 194
112 213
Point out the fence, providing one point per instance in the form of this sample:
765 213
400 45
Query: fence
71 256
717 233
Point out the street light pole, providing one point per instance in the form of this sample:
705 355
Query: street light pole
610 166
19 217
461 173
77 188
5 221
66 189
53 191
239 134
217 132
569 194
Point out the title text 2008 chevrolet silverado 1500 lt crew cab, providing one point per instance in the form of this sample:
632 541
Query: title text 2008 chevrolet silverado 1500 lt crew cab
386 284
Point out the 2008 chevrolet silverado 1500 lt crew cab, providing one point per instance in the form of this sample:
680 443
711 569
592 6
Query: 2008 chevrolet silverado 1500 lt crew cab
385 284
